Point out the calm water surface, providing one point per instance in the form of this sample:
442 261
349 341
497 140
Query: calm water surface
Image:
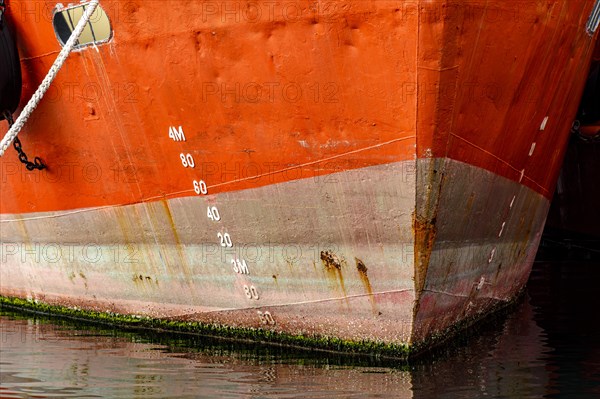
548 346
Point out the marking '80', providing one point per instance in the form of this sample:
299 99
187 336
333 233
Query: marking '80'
187 160
251 292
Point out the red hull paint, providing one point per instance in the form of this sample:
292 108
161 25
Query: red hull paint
288 97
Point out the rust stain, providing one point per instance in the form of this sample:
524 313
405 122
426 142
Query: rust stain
333 265
362 272
469 204
171 223
24 232
139 278
425 232
330 260
424 225
158 221
185 269
123 223
362 269
341 279
85 284
127 234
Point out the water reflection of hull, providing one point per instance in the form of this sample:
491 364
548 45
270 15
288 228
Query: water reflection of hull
564 295
403 197
76 365
503 361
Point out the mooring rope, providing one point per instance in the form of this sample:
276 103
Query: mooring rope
41 90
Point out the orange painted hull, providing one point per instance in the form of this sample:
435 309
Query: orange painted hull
470 103
265 101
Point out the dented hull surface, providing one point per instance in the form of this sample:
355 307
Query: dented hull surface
375 170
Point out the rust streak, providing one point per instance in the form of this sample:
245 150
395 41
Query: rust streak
333 266
362 272
425 232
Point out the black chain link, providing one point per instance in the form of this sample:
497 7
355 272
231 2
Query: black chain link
37 161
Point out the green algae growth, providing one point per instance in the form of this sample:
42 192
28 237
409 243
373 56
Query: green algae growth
328 344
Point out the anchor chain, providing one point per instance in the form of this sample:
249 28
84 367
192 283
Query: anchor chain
37 161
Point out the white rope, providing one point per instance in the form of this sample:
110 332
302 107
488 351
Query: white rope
39 93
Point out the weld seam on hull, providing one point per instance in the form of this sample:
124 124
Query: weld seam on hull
314 162
283 305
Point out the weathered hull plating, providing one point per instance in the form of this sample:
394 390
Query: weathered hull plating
364 291
402 194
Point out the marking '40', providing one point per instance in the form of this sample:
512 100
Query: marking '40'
176 134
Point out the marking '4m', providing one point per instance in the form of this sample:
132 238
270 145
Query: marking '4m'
176 134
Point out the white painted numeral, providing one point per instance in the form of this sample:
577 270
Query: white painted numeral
240 266
266 318
187 160
251 292
200 187
176 134
225 240
213 213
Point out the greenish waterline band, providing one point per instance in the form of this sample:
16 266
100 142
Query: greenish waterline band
365 349
328 344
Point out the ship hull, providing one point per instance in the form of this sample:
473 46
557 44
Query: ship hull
368 171
157 261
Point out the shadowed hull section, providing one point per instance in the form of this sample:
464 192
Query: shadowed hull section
348 272
476 239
